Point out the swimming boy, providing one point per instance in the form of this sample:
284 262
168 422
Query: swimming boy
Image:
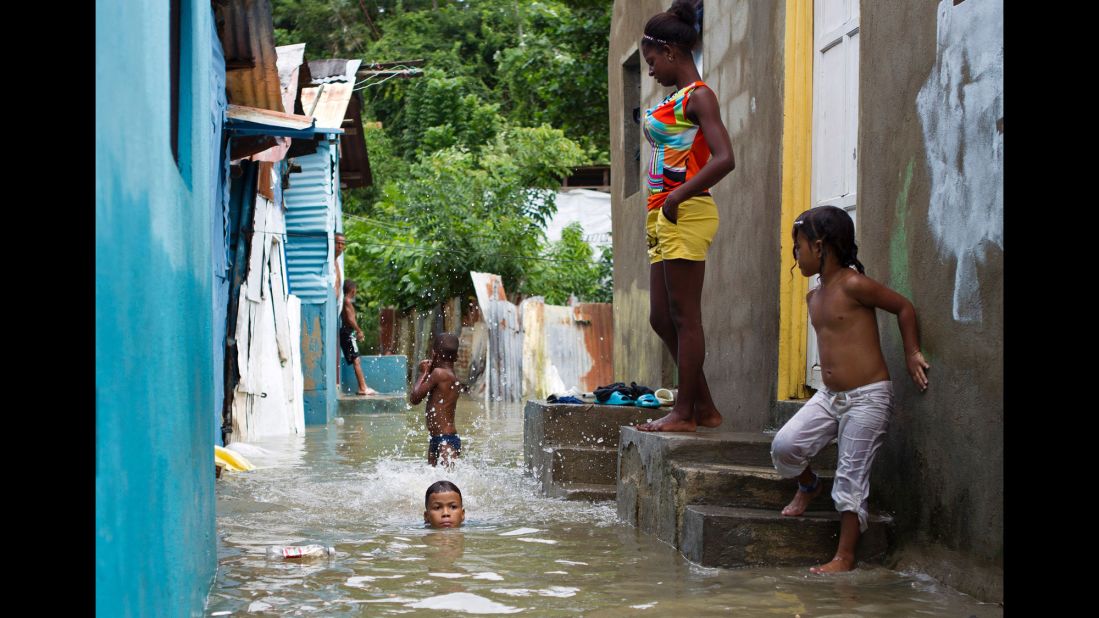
439 383
856 402
443 505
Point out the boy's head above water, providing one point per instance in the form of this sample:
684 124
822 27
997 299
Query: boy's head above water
446 347
443 505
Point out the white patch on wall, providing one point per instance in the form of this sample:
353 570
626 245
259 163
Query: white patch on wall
961 109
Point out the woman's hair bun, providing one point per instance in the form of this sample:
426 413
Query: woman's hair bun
685 10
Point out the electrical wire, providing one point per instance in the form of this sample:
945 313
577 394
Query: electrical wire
427 249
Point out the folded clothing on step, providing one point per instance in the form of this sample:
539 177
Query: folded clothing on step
633 391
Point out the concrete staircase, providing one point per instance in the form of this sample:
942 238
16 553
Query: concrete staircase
716 497
572 449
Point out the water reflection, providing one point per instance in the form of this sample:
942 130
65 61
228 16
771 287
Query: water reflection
360 487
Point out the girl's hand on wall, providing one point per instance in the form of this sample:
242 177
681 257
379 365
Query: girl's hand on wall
916 368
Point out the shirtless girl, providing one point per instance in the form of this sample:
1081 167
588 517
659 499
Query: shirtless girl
857 399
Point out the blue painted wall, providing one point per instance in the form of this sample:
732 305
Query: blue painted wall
385 374
313 211
318 350
155 371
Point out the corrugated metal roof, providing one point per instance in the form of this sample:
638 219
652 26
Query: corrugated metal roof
265 117
334 80
331 107
310 219
334 70
248 39
290 59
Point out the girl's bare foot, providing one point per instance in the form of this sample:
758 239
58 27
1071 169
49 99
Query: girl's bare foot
801 501
839 564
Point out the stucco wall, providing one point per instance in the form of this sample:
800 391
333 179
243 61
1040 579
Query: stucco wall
742 63
154 374
930 226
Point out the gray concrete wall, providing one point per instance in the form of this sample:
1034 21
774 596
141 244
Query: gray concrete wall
743 63
930 226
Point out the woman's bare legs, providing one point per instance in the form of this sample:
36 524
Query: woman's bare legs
675 313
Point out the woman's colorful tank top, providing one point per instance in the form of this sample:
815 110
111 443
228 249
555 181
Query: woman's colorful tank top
679 148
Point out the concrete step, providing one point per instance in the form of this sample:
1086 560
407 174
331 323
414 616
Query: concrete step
784 411
716 536
546 424
653 496
743 486
730 447
371 404
579 464
590 492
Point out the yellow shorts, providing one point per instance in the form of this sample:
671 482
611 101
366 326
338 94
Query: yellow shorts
688 238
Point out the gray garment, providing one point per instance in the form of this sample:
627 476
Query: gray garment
858 418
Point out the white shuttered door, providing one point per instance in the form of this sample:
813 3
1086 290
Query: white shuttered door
835 124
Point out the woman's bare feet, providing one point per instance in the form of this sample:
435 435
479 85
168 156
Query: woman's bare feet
673 421
707 416
839 564
801 501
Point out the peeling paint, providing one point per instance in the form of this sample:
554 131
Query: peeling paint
898 242
961 112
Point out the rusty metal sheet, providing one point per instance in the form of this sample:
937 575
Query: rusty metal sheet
331 106
505 364
251 63
487 285
505 341
598 331
534 349
566 347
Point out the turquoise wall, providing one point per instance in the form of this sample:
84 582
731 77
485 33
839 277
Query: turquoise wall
155 372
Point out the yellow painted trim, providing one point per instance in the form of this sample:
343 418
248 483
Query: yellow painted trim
797 159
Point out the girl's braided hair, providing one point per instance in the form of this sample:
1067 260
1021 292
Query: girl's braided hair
834 227
675 27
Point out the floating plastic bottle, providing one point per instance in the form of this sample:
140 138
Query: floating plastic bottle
293 552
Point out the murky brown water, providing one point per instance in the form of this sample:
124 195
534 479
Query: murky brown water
360 486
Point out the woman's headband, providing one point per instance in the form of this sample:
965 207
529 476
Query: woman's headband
654 39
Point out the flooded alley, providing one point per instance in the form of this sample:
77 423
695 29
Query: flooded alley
359 486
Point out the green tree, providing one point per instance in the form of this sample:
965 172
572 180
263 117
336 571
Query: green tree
458 211
570 269
512 97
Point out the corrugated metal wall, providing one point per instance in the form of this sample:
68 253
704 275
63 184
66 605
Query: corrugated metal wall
566 347
310 219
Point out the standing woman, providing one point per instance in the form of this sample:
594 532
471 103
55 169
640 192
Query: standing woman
690 153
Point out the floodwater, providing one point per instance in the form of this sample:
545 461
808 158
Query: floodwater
359 486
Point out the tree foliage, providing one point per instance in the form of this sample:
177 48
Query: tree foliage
457 211
512 97
570 270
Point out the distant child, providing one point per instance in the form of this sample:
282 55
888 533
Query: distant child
349 330
443 505
439 383
857 399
